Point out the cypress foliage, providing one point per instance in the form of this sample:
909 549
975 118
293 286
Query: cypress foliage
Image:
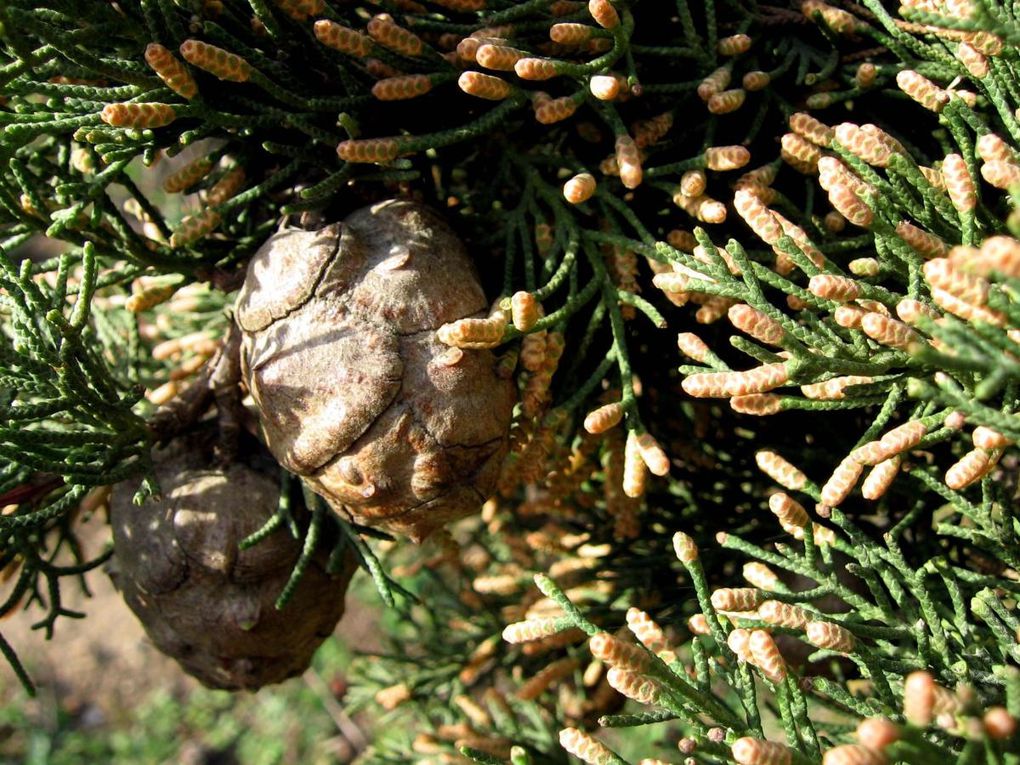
757 273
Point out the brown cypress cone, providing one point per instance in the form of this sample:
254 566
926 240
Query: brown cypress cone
202 600
355 392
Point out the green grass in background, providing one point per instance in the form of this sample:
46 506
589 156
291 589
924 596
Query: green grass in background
282 724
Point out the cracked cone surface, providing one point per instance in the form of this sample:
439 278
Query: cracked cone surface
202 600
354 391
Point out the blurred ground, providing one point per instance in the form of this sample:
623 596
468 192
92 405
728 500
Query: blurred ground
99 677
104 659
